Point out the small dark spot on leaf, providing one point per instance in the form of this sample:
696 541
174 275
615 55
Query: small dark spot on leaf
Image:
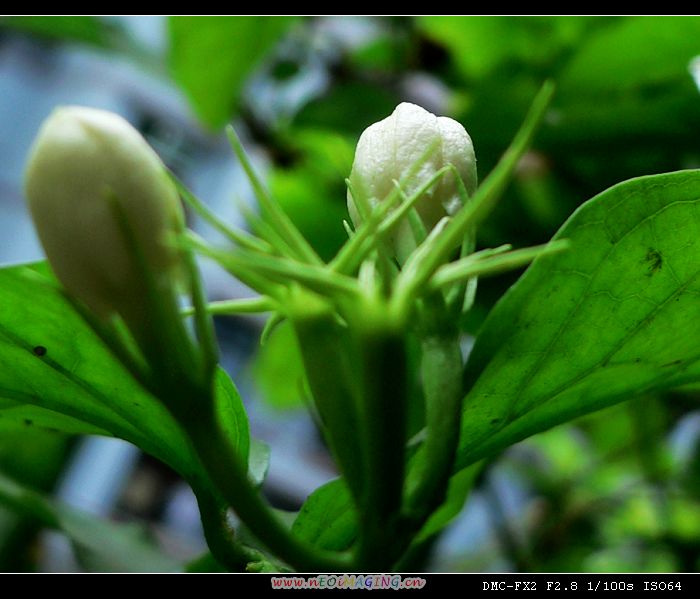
674 363
495 420
654 261
28 422
637 360
39 350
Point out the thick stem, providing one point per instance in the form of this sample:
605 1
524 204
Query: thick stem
382 355
324 347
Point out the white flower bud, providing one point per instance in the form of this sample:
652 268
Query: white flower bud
389 149
83 162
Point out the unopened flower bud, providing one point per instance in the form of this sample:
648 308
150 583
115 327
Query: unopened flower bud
388 151
91 176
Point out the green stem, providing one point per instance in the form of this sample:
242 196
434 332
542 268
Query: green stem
323 345
220 537
203 319
252 305
276 216
442 387
240 238
226 470
382 355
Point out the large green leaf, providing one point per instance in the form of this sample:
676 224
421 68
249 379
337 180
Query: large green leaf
52 360
16 416
211 58
616 315
328 518
103 546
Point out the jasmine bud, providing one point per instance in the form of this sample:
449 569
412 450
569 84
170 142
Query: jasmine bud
90 174
389 149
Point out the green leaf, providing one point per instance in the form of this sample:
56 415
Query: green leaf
212 57
328 518
457 492
103 546
614 316
232 415
18 416
629 89
632 56
480 44
277 369
258 461
55 362
85 29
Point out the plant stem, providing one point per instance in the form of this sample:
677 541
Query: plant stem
219 536
382 355
277 217
230 476
204 323
245 305
240 238
323 345
442 387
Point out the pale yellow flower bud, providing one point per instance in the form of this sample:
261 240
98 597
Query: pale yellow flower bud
389 149
83 163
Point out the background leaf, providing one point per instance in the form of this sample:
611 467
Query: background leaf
211 58
616 315
85 29
34 457
103 546
481 44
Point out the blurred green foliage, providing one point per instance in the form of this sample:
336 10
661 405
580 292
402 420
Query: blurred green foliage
608 495
33 457
211 57
84 29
